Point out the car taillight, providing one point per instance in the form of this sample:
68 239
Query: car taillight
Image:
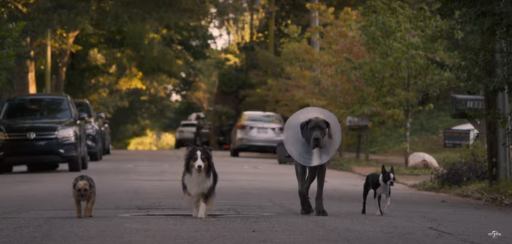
240 127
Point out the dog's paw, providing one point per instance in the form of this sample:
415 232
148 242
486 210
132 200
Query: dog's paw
306 211
377 213
201 216
363 211
321 212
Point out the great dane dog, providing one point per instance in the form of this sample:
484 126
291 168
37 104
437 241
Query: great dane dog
313 131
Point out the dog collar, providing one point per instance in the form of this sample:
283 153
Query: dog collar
298 148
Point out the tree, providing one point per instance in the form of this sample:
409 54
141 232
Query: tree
483 42
404 47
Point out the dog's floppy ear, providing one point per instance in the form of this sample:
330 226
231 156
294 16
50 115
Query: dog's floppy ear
329 134
189 146
304 126
208 149
383 169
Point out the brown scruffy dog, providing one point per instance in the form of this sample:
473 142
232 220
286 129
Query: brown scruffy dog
84 190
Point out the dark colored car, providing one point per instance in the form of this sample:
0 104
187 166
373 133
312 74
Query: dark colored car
105 132
93 127
41 129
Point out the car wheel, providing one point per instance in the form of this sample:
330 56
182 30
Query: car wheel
6 169
85 162
177 145
233 153
95 156
101 154
280 151
75 165
109 149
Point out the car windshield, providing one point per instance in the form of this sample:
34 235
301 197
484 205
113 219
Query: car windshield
265 118
36 109
83 108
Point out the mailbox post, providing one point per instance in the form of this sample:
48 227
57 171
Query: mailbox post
360 124
467 107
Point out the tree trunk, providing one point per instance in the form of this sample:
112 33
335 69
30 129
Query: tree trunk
63 61
407 115
358 148
492 142
23 75
407 139
31 65
367 137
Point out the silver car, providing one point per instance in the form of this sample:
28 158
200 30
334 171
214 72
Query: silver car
185 134
256 131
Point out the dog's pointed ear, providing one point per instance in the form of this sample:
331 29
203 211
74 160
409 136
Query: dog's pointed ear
392 170
304 126
328 125
383 169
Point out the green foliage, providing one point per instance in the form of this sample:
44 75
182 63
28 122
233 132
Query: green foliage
9 46
403 43
478 27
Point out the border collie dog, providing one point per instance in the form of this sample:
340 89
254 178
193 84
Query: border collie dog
381 185
199 179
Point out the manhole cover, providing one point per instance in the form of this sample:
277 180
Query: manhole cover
190 215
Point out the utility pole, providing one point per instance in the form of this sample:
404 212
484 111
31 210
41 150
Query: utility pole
314 23
271 26
503 166
48 81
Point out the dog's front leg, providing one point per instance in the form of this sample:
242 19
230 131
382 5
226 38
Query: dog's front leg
195 207
78 206
89 206
319 200
312 173
301 171
202 208
377 211
388 197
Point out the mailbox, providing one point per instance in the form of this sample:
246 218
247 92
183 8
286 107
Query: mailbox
357 122
462 104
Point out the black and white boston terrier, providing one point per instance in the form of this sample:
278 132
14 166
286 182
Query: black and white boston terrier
381 185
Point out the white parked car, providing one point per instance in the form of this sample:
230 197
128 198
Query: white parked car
257 131
185 133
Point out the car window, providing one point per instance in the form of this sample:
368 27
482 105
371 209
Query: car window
188 125
265 118
37 108
83 108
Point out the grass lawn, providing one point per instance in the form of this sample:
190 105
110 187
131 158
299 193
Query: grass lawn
347 164
500 194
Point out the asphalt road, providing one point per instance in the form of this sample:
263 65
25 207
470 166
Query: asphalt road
139 200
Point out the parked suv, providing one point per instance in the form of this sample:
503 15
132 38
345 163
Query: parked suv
93 128
202 133
41 129
185 134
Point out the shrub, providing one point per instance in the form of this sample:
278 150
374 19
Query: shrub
471 166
